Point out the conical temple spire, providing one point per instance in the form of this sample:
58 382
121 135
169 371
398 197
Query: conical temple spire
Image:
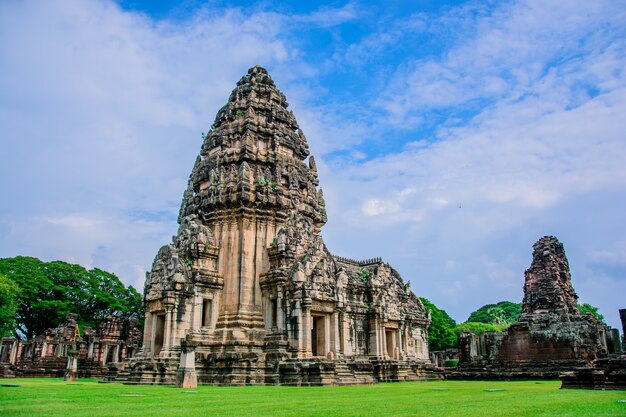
257 106
253 156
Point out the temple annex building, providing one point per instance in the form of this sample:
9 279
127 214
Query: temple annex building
248 293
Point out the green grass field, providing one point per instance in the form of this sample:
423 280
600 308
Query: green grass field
54 397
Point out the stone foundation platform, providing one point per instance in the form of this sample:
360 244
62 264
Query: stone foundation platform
250 370
608 373
530 370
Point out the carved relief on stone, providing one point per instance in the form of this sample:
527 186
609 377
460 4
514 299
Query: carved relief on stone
168 270
194 238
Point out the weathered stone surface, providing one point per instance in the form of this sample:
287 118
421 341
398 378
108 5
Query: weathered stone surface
49 354
71 371
606 373
548 284
187 377
249 280
550 336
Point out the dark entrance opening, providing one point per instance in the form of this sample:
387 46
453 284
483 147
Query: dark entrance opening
158 334
318 336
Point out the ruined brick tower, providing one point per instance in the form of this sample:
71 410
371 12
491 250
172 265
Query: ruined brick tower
550 335
548 284
248 282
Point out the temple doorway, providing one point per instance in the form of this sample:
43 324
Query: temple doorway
390 336
158 333
318 336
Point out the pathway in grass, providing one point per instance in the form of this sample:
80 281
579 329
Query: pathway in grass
53 397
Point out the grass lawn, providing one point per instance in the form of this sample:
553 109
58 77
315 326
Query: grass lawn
54 397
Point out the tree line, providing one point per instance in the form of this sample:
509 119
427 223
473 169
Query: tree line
443 331
37 295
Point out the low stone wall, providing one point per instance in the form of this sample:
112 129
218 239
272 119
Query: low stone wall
607 373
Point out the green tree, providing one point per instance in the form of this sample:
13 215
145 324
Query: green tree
501 314
441 332
477 327
9 295
49 291
588 308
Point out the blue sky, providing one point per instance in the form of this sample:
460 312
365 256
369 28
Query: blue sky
449 136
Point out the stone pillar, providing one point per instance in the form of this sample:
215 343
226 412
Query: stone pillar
71 371
153 334
268 314
186 376
44 349
173 336
18 353
375 339
396 341
104 353
328 332
15 347
622 316
382 342
347 347
90 350
116 354
196 316
167 331
306 331
280 319
334 334
148 334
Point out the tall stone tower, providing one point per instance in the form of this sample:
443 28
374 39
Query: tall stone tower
249 181
248 280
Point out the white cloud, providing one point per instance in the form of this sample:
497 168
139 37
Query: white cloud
547 141
103 110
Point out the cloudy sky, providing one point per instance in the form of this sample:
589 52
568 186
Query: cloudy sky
450 136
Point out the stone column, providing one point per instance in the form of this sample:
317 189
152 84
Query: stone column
13 352
153 334
374 338
104 353
306 331
167 329
215 309
382 340
196 316
116 354
186 376
174 337
18 352
327 336
71 371
268 314
148 335
90 350
334 334
295 338
280 320
347 347
397 350
44 349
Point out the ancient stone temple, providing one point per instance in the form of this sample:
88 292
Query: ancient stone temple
248 283
115 340
550 335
